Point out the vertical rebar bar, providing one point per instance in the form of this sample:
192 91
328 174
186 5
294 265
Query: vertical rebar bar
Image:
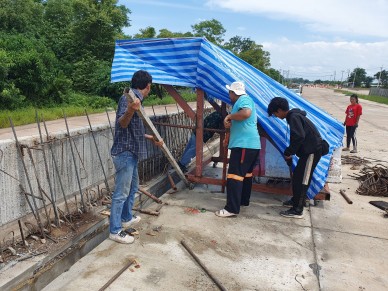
57 222
19 150
74 161
56 168
110 125
98 152
39 188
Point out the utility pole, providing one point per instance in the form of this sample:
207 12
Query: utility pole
347 80
354 77
334 76
378 83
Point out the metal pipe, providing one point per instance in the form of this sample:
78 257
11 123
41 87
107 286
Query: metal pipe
98 152
18 146
173 186
342 192
207 271
130 263
74 161
156 199
188 127
57 222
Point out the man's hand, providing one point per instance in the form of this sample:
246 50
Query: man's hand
227 121
134 106
158 143
154 140
356 125
288 160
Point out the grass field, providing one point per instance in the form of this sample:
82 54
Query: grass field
27 115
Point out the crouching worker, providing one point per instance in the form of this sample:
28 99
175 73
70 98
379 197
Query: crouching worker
306 143
244 145
129 147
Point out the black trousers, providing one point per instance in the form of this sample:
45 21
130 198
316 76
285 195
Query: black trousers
239 178
351 136
301 179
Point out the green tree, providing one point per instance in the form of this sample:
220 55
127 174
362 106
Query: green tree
21 16
383 77
257 57
249 51
368 81
165 33
237 44
148 32
357 77
96 24
31 67
211 29
274 74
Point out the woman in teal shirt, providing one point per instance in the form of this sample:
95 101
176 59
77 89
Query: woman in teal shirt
244 145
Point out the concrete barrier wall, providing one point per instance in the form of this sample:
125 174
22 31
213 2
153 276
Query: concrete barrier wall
13 204
378 92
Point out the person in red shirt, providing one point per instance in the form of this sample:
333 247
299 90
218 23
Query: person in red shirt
353 113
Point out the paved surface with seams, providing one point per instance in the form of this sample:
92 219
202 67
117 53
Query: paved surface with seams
336 246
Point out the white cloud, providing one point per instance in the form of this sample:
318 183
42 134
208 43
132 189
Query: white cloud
320 60
353 17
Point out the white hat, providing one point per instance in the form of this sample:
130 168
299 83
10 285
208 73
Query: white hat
237 87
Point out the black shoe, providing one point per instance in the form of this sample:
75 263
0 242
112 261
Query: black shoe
183 168
291 213
288 203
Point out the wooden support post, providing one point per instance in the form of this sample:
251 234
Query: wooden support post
199 133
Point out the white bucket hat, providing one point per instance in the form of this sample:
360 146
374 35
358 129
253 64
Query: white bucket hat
237 87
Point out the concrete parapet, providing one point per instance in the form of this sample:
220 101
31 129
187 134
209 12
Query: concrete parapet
13 204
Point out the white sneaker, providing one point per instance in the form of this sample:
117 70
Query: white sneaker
353 151
224 213
122 237
135 219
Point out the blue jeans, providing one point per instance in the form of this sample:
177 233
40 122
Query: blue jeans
126 186
189 151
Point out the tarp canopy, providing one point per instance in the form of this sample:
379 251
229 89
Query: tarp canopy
197 63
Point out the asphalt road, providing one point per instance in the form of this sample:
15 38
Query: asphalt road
81 121
372 133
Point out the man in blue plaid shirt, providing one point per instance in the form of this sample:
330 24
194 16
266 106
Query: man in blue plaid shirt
129 147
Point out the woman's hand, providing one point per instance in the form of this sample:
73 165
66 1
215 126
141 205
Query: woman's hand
227 121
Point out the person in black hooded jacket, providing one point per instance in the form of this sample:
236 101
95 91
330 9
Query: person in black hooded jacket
306 143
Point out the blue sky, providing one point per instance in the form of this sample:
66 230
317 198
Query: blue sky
305 38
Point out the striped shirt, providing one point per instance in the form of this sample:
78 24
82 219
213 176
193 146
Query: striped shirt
131 138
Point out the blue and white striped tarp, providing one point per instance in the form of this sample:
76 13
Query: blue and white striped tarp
197 63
